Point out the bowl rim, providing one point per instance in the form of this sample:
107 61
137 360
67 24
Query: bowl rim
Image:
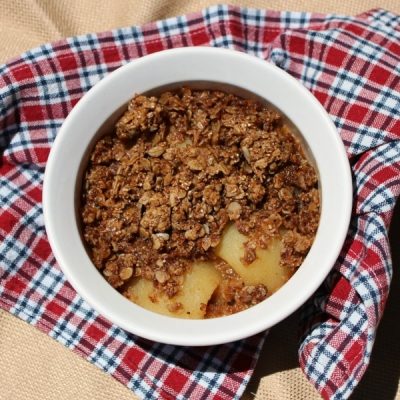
146 323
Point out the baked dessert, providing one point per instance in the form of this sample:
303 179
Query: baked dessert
199 203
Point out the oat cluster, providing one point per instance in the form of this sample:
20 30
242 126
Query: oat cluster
160 189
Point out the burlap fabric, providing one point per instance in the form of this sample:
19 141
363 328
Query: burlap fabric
32 365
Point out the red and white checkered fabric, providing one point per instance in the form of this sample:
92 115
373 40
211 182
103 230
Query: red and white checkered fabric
352 66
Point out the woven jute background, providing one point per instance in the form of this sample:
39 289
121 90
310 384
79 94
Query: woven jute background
34 366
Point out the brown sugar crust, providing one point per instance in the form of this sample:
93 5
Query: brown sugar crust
160 189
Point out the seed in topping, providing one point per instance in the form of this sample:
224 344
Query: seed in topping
161 276
156 151
195 165
159 262
126 273
246 153
234 210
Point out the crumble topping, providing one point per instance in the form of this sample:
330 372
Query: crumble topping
178 168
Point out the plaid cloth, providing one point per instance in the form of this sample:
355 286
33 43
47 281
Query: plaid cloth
351 64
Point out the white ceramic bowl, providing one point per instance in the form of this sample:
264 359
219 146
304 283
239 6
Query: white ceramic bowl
102 105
